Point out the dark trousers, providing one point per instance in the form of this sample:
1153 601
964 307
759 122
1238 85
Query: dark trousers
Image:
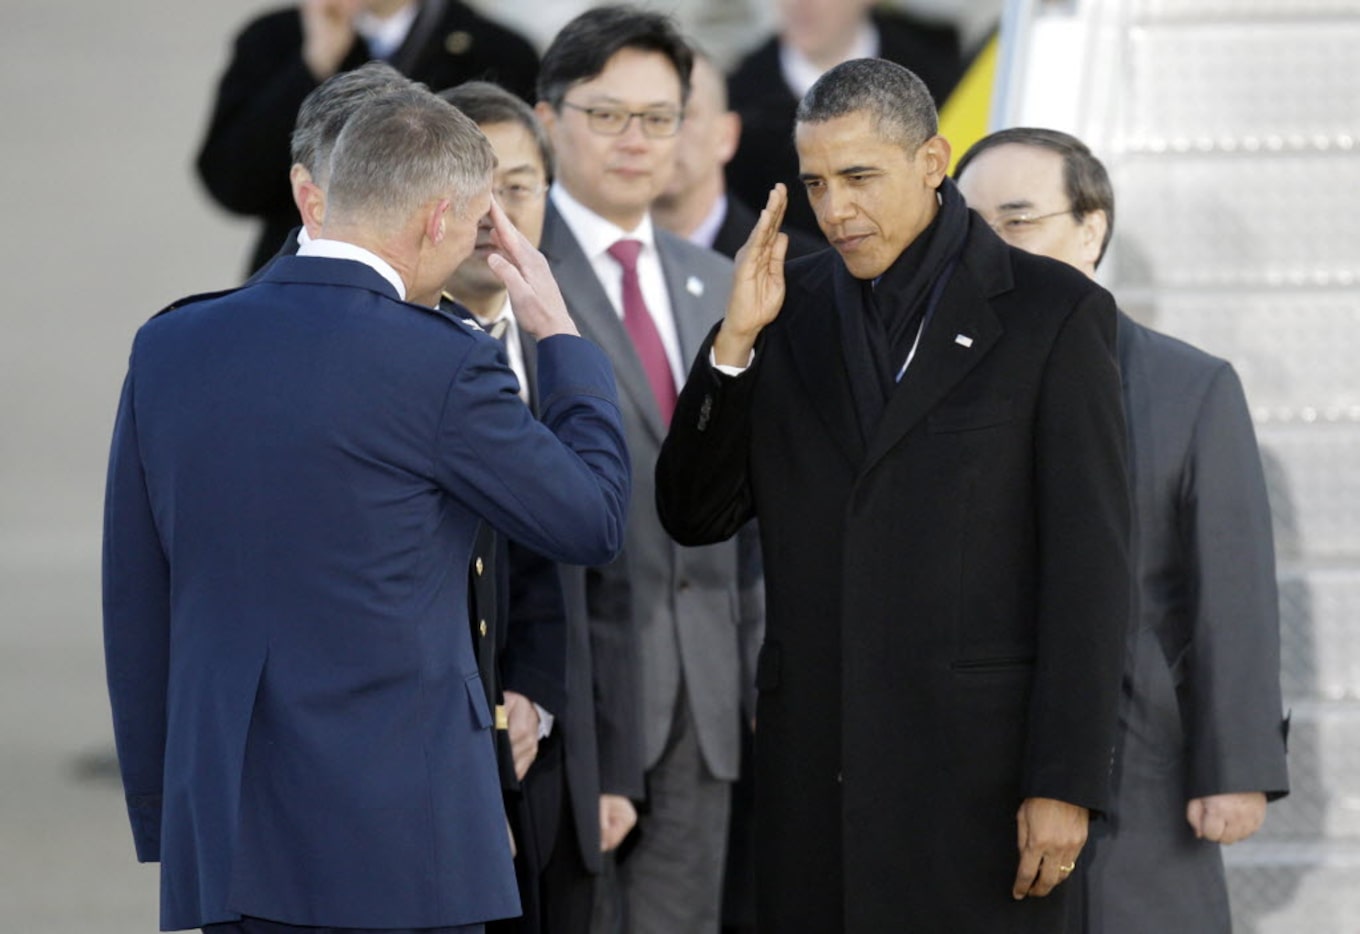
249 925
566 887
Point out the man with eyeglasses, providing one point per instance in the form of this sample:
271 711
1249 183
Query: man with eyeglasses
612 89
1202 743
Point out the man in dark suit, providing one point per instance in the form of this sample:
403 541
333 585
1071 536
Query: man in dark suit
281 56
612 90
1202 744
696 205
296 466
535 647
927 425
813 36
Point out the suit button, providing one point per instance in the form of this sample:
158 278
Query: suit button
481 627
683 586
480 567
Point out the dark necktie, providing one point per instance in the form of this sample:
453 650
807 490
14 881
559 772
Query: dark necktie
641 327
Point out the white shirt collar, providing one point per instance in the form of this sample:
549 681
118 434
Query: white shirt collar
339 249
385 36
595 234
800 74
303 237
505 312
707 231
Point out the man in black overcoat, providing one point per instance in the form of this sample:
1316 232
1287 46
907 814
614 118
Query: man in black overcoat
927 424
767 84
282 56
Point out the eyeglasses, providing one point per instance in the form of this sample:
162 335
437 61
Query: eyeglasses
614 121
516 193
1019 224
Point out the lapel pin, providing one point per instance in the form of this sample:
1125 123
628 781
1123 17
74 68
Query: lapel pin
963 340
694 286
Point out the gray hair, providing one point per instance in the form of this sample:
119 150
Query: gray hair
898 101
400 151
324 111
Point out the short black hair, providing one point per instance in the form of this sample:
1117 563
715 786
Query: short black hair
485 103
586 44
1084 177
896 100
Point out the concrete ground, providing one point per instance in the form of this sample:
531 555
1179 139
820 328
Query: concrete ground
103 223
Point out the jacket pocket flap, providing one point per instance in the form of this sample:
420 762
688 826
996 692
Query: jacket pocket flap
481 713
969 417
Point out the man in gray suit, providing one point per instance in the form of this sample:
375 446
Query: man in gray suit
612 92
1202 740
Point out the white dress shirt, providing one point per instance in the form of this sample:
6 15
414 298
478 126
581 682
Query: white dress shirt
514 344
708 228
800 74
595 236
385 36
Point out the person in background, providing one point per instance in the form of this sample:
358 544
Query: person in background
301 729
927 425
534 649
696 205
1202 742
612 93
813 36
320 119
280 57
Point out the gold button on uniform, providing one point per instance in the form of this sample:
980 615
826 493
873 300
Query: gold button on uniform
458 42
481 627
479 567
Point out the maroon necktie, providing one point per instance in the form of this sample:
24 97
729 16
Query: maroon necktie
637 320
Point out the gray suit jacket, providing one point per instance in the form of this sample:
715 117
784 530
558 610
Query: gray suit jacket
1201 706
686 605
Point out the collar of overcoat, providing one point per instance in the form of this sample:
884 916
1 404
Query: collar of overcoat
959 335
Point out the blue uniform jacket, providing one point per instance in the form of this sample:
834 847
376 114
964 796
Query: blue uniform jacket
297 472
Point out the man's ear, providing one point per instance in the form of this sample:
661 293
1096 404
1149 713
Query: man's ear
308 198
934 155
1092 236
729 136
546 116
436 220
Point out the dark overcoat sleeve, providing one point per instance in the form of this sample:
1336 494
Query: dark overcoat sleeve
703 489
1083 513
1236 739
246 153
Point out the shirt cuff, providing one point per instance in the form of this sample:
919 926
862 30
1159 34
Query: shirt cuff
545 722
730 370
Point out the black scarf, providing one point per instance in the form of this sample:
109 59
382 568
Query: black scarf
879 337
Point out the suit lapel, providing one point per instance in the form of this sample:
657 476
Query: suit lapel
959 334
815 343
596 317
689 297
